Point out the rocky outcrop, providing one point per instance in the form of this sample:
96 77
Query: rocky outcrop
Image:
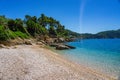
54 44
28 42
71 47
62 47
49 41
39 43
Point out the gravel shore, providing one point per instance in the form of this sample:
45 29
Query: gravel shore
32 62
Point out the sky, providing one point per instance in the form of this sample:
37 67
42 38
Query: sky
82 16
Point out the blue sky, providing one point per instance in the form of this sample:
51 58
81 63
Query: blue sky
86 16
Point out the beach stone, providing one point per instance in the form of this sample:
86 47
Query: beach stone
28 42
2 46
39 43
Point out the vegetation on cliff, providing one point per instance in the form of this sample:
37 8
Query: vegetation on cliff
32 26
43 27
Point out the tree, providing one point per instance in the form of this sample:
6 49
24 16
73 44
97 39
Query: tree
52 31
19 25
11 25
3 21
43 20
31 27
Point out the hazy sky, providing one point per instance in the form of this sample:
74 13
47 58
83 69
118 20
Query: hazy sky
87 16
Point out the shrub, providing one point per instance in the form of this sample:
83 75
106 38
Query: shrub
3 35
21 35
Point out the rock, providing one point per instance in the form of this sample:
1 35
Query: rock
49 41
2 46
53 45
71 47
70 39
14 47
61 47
17 41
28 42
61 40
43 41
39 43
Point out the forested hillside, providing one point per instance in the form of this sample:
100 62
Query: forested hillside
32 26
111 34
42 27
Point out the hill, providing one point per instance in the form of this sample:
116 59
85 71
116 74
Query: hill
111 34
41 28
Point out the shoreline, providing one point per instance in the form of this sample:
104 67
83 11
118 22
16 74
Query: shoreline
79 67
61 67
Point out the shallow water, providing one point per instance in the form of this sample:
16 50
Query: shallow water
100 54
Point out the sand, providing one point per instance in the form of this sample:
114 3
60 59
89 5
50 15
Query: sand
32 62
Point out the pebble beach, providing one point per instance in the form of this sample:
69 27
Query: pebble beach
32 62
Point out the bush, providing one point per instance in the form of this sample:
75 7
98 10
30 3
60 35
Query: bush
6 34
11 34
21 35
3 35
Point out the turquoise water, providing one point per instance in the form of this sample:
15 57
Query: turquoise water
100 54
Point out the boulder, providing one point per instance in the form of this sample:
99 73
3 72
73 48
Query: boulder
49 41
61 40
42 41
71 47
61 47
53 44
28 42
39 43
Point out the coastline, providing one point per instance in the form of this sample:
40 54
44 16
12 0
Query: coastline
42 63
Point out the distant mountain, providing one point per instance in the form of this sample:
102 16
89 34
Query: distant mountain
104 34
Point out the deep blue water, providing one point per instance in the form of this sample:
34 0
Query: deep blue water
100 54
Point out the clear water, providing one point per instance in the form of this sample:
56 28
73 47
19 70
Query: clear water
100 54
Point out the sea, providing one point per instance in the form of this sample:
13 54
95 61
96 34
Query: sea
102 55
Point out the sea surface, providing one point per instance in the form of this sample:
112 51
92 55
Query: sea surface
102 55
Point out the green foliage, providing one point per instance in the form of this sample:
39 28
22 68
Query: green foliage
31 26
52 31
3 21
19 25
43 20
11 34
43 26
43 30
3 35
6 34
11 25
21 35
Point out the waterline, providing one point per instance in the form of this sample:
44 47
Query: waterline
102 55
